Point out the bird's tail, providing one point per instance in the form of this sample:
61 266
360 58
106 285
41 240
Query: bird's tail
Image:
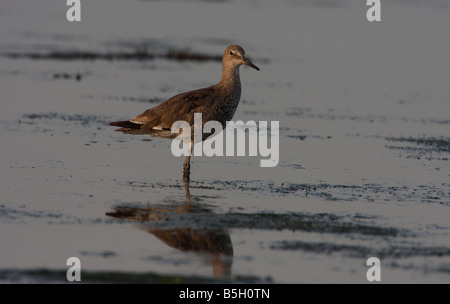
126 126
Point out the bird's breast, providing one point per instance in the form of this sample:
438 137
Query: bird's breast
224 104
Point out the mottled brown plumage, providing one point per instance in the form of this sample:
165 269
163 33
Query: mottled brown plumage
217 102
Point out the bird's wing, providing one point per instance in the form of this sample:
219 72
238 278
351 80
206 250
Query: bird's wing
180 107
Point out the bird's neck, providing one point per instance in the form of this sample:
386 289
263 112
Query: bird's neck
230 76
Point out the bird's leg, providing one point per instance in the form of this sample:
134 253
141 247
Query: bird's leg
186 188
187 169
187 163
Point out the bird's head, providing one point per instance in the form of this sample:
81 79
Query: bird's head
234 56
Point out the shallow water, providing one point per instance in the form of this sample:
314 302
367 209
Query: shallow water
364 143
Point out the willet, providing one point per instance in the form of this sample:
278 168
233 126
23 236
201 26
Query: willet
217 102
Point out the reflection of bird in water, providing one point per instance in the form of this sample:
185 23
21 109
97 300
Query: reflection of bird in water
217 102
215 243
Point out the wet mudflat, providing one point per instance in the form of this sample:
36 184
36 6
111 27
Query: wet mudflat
364 144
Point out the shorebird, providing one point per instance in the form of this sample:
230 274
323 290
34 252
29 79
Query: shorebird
217 102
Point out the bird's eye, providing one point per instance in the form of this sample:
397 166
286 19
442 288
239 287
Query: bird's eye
231 53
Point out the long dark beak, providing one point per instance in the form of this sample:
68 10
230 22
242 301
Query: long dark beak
249 63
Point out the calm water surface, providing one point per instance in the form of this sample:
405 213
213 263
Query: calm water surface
364 112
